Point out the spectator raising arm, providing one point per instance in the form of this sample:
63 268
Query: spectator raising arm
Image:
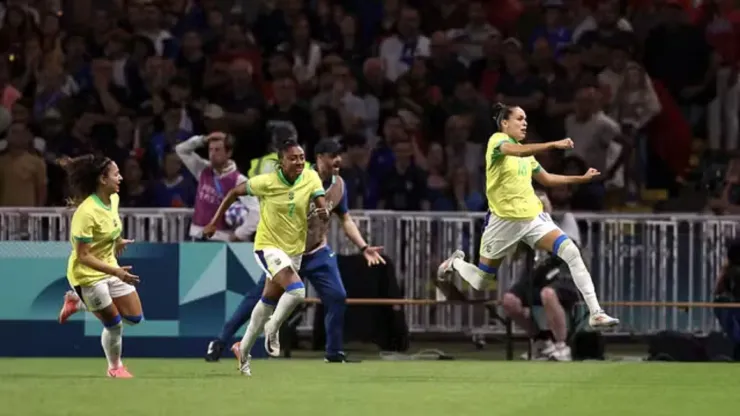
186 152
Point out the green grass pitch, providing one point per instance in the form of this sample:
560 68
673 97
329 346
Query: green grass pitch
379 388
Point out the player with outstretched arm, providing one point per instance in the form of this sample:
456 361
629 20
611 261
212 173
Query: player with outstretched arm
101 285
285 197
515 212
319 264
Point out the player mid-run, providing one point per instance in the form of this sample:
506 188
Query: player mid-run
515 213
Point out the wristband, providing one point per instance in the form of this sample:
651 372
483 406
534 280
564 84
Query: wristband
364 248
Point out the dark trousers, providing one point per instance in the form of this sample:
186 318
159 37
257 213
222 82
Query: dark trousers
729 321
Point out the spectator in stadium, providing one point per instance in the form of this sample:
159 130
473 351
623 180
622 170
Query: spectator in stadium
286 110
216 177
404 186
596 134
174 190
551 287
134 191
354 170
22 171
399 50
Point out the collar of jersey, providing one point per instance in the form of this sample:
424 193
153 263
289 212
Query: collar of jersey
333 177
284 180
99 202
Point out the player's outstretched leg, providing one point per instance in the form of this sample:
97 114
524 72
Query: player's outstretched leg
238 318
560 245
294 294
126 301
260 315
72 304
477 277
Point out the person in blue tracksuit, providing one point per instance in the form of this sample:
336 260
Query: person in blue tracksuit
319 265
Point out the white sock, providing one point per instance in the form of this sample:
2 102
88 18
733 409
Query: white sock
112 342
476 277
581 277
286 305
260 315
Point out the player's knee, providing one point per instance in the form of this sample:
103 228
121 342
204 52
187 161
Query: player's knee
113 323
549 296
512 305
488 271
269 300
133 319
566 249
336 296
296 289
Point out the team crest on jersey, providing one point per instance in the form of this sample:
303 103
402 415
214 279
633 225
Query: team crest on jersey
291 195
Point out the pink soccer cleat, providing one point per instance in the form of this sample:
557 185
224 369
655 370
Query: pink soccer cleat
70 306
119 372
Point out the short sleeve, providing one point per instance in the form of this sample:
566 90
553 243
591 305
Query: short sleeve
535 165
257 186
343 207
496 148
82 226
317 188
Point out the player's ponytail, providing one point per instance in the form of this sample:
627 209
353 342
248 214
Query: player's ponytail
82 175
500 113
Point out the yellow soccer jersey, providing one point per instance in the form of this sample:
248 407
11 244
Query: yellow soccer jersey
99 225
284 209
509 182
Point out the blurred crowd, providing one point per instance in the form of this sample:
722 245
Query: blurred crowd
406 86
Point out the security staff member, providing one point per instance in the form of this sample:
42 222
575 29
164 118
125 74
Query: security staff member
269 162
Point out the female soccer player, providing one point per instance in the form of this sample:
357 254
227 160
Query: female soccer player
285 196
515 212
105 287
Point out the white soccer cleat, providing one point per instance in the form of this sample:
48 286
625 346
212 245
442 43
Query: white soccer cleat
560 353
540 350
601 320
272 344
445 269
243 363
245 369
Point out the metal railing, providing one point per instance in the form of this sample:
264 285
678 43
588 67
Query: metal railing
654 258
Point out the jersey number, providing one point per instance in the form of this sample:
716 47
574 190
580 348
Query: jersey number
291 209
522 171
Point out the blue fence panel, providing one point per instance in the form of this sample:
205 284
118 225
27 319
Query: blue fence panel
187 289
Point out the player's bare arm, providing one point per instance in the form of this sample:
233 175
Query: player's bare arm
524 150
547 179
371 253
85 257
121 244
229 199
321 209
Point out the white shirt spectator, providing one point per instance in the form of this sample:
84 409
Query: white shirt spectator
469 41
592 138
304 67
398 56
589 24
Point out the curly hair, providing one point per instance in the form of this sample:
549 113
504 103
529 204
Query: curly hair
83 174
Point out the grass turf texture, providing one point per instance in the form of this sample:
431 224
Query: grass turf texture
310 387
